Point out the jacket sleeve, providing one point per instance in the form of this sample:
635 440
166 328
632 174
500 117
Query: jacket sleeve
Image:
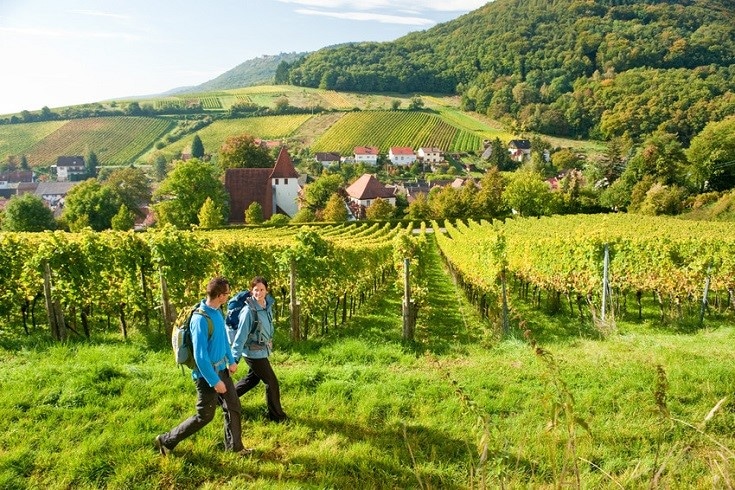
200 344
243 332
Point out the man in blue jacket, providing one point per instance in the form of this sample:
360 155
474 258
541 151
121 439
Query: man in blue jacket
214 365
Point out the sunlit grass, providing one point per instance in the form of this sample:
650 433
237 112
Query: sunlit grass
460 407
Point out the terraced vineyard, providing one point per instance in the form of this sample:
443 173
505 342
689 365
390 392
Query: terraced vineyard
115 140
267 127
395 128
16 139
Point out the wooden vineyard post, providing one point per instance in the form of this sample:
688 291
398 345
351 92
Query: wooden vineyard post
409 307
506 325
53 308
294 305
605 283
703 307
168 317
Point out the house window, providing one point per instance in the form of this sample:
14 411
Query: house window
276 181
285 181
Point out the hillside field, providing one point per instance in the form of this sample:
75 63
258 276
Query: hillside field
346 120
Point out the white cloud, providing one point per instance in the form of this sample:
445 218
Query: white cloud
364 16
97 13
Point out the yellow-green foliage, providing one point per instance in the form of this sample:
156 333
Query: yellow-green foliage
116 140
394 128
16 139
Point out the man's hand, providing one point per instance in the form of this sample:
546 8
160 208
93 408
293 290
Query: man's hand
220 387
233 368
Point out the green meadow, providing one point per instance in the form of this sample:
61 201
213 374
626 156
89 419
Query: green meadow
550 404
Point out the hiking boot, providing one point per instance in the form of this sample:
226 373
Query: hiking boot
246 451
278 418
162 449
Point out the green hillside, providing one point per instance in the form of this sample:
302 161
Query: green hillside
384 129
16 139
115 140
212 136
597 68
328 121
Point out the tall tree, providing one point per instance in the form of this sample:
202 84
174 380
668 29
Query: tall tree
160 167
27 213
183 192
527 194
91 162
197 147
242 151
318 192
712 156
335 210
124 219
90 204
131 186
379 209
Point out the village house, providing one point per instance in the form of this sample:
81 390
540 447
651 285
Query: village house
364 191
366 154
519 150
53 194
327 159
401 155
430 155
275 189
68 166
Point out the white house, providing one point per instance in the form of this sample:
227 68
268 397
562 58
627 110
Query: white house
430 155
367 188
366 154
68 166
519 149
401 155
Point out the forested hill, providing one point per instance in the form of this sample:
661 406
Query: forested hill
583 68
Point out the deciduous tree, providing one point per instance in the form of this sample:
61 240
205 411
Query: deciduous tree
379 209
335 210
241 151
27 213
183 193
124 219
254 214
210 216
90 204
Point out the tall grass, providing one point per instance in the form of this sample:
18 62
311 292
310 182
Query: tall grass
460 407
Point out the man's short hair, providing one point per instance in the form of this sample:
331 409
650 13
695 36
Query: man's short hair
218 285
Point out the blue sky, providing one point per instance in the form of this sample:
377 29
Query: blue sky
64 52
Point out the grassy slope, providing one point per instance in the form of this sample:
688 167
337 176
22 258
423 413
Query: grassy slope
38 137
16 139
369 411
269 127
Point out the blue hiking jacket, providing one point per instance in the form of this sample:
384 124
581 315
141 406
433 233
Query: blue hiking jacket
210 354
258 344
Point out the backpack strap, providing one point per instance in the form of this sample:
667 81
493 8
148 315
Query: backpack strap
254 308
210 324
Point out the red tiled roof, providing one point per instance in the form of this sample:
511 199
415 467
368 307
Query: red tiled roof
366 150
284 168
401 150
368 187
